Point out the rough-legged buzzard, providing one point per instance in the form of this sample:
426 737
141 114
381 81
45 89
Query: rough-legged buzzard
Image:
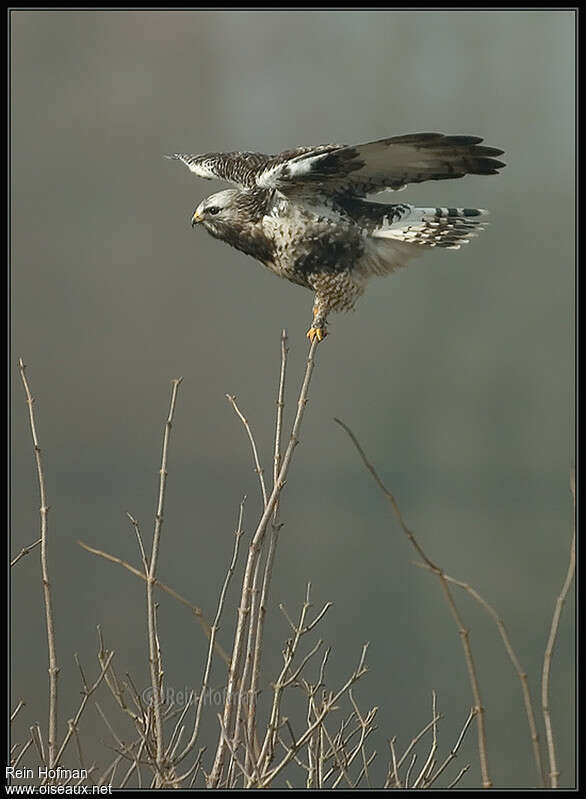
302 214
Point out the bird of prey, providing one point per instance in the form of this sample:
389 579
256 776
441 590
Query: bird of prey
303 213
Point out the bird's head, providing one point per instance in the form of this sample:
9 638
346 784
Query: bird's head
218 212
235 217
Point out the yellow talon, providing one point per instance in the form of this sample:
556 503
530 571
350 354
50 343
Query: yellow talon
318 333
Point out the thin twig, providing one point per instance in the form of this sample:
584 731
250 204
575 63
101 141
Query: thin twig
245 694
394 759
49 616
280 407
37 737
154 654
410 769
231 748
113 683
197 612
178 731
25 551
272 549
365 729
418 737
458 777
80 756
17 709
244 607
193 769
521 673
559 604
134 767
454 751
328 705
424 773
267 750
214 629
364 770
462 631
88 690
107 776
257 467
22 752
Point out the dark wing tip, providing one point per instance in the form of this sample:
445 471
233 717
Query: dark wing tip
484 166
427 139
414 138
490 151
472 144
462 140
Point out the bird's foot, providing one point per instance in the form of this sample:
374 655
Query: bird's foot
318 333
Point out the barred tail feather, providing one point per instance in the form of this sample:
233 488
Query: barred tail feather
435 227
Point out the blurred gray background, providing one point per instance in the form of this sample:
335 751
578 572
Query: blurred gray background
456 374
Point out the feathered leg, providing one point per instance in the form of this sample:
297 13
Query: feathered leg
334 291
318 328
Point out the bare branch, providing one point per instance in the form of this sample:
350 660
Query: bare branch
257 467
25 551
254 549
21 754
328 705
409 770
559 604
266 754
17 709
154 652
422 779
458 777
454 750
49 615
87 692
280 407
417 738
462 631
521 673
231 748
214 629
197 612
272 549
394 760
37 738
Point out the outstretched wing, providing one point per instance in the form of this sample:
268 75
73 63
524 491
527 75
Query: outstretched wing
241 169
385 164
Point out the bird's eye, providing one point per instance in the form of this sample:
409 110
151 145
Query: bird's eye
213 210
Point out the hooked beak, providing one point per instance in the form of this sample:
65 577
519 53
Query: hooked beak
195 219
